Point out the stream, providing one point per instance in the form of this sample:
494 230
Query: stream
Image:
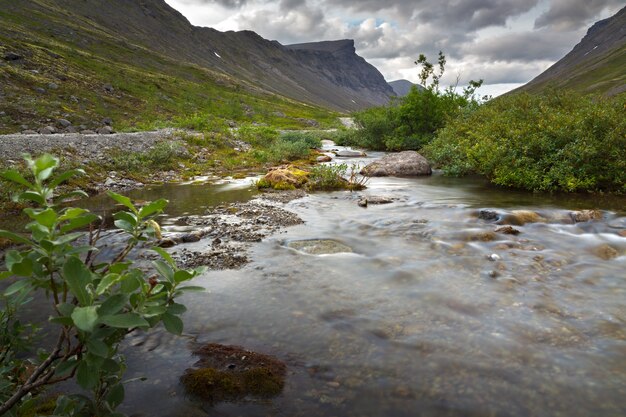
430 314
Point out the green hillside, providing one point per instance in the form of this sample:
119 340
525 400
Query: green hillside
54 64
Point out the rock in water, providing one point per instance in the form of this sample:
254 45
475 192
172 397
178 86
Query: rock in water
402 164
350 154
319 246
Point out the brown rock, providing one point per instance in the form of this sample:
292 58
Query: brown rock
585 215
508 230
605 252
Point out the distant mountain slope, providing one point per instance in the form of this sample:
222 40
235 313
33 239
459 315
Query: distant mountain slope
597 64
336 78
402 87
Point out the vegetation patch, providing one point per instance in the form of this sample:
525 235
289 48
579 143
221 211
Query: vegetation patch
555 141
229 373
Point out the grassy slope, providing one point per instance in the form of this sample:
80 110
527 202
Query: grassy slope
150 90
601 76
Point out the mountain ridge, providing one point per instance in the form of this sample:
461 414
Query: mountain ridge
294 73
595 65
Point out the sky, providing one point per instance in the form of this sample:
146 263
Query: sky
504 42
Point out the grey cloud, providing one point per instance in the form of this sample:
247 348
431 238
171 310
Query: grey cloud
524 47
574 14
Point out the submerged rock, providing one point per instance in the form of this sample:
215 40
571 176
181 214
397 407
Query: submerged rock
323 158
508 230
605 252
402 164
350 154
488 215
521 217
585 215
230 373
319 246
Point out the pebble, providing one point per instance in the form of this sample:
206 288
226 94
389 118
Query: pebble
494 257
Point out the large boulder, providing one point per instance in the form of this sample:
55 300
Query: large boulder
401 164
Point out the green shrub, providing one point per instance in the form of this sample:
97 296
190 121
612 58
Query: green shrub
92 305
410 122
164 155
311 139
257 136
556 141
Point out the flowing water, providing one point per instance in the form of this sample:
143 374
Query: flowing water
431 314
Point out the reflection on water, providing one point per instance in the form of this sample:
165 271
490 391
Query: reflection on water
430 314
421 318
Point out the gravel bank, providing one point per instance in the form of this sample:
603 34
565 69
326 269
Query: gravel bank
86 147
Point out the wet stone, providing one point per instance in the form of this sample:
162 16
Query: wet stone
319 246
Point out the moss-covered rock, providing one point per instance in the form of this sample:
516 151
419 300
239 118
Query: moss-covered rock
230 373
284 178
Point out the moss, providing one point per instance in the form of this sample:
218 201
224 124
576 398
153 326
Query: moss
230 373
284 178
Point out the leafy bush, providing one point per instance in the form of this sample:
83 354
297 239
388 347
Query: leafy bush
93 304
257 136
311 139
410 122
556 141
163 155
329 177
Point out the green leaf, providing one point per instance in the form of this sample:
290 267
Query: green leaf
32 196
72 195
177 309
87 376
66 309
106 283
98 348
181 275
168 258
77 276
113 304
153 207
124 225
45 174
110 366
122 200
70 237
164 270
65 368
126 216
173 324
130 283
119 267
14 238
16 287
61 178
5 275
79 222
85 318
45 217
124 321
191 289
72 213
116 395
14 176
44 162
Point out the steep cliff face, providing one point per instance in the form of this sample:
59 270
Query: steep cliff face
329 74
597 64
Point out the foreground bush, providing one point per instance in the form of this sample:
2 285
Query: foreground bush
557 141
93 302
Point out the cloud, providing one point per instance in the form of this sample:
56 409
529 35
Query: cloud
521 47
566 15
502 41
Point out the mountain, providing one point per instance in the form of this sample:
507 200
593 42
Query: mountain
596 65
305 74
402 87
142 62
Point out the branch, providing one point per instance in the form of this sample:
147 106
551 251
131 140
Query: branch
33 382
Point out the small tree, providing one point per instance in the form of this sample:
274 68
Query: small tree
94 303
